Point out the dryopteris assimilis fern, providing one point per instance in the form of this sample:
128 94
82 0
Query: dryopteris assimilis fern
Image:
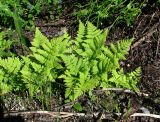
84 64
37 71
42 66
91 64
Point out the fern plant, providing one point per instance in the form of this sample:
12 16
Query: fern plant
37 71
84 64
93 65
43 65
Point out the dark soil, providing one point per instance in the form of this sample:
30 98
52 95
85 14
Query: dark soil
144 53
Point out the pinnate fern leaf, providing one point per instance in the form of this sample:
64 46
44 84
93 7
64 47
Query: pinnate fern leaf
41 67
9 72
91 64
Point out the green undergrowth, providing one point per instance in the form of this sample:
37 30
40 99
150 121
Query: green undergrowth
79 65
5 46
109 11
20 15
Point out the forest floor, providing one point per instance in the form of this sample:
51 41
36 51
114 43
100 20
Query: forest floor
144 53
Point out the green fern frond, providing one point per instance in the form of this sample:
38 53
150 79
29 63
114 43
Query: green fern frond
40 40
9 74
11 65
40 68
91 64
92 31
121 48
128 80
4 87
133 78
116 52
81 32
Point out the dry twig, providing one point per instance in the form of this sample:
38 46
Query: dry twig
125 91
69 114
145 115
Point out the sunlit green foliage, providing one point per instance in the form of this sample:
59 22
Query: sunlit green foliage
84 64
110 11
93 65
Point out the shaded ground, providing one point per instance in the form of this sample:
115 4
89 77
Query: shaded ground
144 52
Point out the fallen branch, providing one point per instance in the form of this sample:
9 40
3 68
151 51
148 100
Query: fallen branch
123 90
69 114
145 115
58 114
53 114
